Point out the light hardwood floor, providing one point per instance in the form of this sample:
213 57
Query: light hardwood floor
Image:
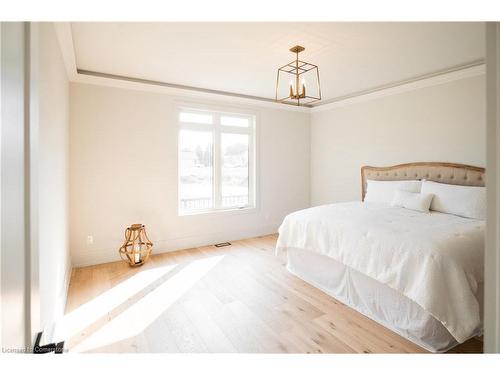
238 298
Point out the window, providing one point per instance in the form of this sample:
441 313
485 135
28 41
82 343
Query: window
216 160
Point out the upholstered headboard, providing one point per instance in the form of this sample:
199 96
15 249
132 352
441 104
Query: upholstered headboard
447 173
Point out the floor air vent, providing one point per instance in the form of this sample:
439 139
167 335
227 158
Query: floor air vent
222 244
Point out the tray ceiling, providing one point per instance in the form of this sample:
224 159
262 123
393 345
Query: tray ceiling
243 58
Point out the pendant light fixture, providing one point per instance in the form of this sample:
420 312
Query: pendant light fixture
296 73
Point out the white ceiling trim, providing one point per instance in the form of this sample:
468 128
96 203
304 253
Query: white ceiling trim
64 33
175 89
186 92
379 92
433 79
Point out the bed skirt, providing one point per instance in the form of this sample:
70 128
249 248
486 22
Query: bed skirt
373 299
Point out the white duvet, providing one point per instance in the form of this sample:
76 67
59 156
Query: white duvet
434 259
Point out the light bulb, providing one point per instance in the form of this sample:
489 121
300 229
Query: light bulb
292 93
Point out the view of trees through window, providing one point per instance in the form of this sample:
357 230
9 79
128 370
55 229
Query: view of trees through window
234 151
195 169
203 187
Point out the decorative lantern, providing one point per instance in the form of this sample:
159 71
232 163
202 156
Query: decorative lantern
298 71
137 246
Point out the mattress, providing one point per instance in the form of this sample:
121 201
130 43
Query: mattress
373 299
433 260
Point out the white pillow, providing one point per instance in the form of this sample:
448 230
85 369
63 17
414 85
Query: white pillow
413 201
466 201
383 191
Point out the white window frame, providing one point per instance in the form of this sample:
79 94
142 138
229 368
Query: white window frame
217 129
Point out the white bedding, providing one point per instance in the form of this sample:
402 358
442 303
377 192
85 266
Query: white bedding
434 259
373 299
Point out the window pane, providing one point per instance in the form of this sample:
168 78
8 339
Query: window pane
195 170
234 184
241 122
198 118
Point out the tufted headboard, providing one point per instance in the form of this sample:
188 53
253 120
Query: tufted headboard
447 173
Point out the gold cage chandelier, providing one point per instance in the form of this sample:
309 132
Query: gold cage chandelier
296 71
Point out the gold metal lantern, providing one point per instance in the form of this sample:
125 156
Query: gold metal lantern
137 246
297 72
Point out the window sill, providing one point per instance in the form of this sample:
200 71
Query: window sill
221 212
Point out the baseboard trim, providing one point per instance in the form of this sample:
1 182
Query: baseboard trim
91 258
67 280
50 331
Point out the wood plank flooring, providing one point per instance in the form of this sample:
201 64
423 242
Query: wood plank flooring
238 298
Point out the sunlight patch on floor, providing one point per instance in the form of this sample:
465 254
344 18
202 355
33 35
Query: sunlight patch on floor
146 310
86 314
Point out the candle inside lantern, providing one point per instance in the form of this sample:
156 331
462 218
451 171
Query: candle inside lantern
291 89
137 246
137 255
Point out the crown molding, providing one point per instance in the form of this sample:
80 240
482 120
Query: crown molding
471 69
65 37
112 80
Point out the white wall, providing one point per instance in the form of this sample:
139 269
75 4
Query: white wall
53 188
123 155
438 123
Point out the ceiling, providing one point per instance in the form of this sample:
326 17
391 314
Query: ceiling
243 58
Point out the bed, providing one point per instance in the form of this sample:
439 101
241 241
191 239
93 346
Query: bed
418 274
